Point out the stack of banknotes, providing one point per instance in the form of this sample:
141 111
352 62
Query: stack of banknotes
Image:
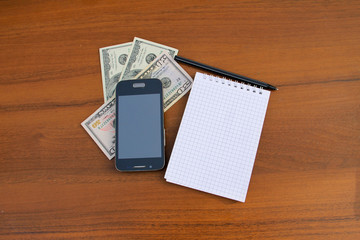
140 59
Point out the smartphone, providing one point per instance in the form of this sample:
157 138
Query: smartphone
139 125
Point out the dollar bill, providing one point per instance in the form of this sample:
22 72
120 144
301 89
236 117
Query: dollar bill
100 127
142 53
112 60
176 82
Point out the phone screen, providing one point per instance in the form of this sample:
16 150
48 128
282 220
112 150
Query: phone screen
139 126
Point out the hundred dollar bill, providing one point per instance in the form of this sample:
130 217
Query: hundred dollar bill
100 127
112 59
142 53
176 82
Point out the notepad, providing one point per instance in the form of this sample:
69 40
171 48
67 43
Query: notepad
218 137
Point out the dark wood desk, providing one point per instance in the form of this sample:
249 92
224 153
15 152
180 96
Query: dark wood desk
55 183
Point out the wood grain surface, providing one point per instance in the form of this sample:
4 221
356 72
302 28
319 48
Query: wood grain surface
55 183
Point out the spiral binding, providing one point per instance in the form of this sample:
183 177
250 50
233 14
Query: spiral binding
235 84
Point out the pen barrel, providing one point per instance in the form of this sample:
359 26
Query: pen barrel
225 73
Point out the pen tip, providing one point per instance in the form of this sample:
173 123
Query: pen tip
273 88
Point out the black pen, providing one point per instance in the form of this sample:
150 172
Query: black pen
225 73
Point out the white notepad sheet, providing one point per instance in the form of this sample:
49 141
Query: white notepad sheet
218 137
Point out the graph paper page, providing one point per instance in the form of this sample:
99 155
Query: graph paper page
218 137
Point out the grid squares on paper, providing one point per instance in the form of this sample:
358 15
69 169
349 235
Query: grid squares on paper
218 137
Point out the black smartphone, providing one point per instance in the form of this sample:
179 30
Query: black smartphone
139 125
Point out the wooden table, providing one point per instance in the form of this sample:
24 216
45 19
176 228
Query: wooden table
55 183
